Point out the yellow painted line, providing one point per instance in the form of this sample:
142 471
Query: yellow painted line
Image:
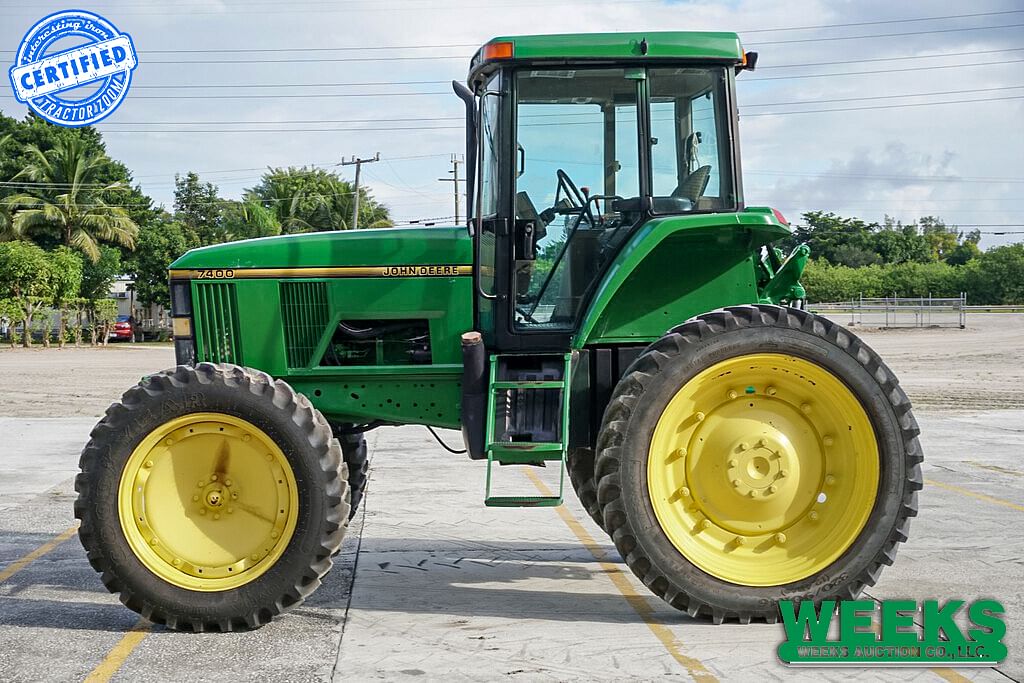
973 494
638 602
16 566
117 656
950 675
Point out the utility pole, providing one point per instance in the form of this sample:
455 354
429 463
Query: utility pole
358 163
455 179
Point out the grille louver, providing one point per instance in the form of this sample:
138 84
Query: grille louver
304 313
216 313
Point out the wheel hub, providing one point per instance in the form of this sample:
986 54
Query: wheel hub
759 465
763 469
208 502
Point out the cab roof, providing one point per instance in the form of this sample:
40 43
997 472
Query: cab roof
696 45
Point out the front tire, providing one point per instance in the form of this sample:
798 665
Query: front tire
757 454
211 498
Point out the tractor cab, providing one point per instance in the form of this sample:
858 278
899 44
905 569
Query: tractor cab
573 150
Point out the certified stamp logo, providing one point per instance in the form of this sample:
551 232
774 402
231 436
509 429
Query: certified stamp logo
73 68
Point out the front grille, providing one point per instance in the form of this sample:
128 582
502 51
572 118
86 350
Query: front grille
217 331
304 314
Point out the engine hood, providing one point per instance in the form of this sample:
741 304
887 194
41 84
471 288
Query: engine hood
448 245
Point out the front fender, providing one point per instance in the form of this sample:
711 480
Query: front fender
675 267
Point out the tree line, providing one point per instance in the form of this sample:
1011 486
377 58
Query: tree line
72 220
851 258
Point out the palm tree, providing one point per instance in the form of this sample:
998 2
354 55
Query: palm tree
7 232
70 199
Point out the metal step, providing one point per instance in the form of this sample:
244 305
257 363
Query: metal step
527 452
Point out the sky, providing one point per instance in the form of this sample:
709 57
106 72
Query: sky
820 128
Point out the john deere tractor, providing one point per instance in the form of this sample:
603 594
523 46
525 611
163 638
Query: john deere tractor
611 306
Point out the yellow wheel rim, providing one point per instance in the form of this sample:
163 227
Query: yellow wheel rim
763 469
208 502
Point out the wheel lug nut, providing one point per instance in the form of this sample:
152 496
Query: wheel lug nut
744 446
255 556
227 482
202 511
772 489
699 416
149 463
733 462
829 480
783 473
169 442
735 483
177 562
684 492
268 457
246 438
154 541
732 393
780 538
739 540
231 510
195 498
751 494
213 477
827 440
771 391
234 496
273 534
760 443
703 524
806 407
813 516
216 516
202 483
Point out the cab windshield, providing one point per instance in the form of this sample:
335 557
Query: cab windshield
584 163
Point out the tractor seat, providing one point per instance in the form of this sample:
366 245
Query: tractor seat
693 186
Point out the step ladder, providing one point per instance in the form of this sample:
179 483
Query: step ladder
504 397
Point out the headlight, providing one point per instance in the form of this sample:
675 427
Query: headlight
181 322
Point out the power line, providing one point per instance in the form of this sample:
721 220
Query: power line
392 58
880 71
883 21
884 59
461 118
351 48
889 35
886 106
447 93
357 129
223 86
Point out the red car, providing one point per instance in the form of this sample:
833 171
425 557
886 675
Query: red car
124 329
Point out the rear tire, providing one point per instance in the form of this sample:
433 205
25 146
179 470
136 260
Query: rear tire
273 450
628 463
357 461
580 463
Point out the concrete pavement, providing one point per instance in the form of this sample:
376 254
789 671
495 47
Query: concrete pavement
430 584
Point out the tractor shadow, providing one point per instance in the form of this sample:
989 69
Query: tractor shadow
545 581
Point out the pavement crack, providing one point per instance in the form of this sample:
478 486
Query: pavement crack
355 570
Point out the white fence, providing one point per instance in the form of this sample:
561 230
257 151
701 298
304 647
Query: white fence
895 311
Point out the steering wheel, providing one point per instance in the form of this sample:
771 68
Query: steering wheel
577 197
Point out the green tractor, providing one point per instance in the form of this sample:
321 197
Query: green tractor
610 307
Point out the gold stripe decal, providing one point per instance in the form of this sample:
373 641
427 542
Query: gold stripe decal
439 270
